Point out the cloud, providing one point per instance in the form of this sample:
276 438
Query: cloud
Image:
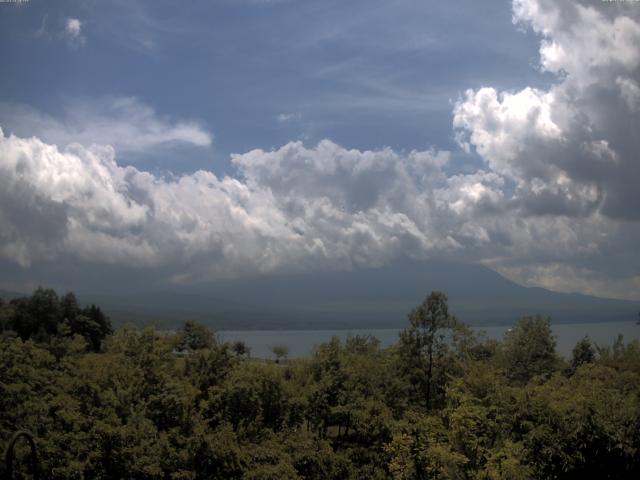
73 32
555 202
288 117
73 27
42 31
574 279
125 123
589 42
573 148
570 150
206 225
291 209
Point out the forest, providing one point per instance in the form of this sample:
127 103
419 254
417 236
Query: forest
441 403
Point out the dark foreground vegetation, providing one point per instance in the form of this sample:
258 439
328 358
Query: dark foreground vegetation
442 403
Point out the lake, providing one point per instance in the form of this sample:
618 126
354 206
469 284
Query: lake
301 342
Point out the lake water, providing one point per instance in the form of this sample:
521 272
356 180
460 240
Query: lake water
301 342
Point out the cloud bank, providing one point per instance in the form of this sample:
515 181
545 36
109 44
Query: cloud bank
125 123
555 204
572 150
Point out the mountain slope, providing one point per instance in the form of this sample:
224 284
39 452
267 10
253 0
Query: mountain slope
366 298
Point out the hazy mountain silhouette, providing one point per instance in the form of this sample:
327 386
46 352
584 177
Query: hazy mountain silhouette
8 295
365 298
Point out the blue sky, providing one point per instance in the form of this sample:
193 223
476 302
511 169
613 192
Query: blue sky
257 74
183 142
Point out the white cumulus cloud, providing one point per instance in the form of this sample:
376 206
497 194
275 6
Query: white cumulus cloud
572 150
291 209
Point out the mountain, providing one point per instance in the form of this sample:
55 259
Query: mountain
9 295
365 298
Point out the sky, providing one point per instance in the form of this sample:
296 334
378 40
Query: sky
177 143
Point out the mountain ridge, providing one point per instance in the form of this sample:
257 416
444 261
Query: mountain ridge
362 298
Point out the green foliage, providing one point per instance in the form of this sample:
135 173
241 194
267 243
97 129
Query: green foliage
424 348
208 368
194 336
440 404
582 426
241 349
45 317
280 351
583 352
420 450
253 399
529 350
621 355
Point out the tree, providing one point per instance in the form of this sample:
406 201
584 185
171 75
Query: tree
567 424
420 450
209 368
326 389
43 316
529 350
423 345
621 355
362 344
583 352
137 410
44 309
69 306
280 351
36 316
195 336
241 349
7 313
90 322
